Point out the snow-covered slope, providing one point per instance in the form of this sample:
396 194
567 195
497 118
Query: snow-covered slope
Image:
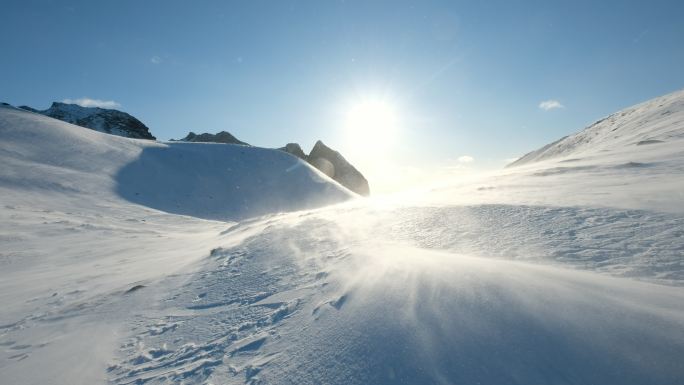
542 273
214 181
633 159
80 224
405 295
657 123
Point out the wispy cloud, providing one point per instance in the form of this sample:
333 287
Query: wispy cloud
465 159
510 160
87 102
550 104
155 60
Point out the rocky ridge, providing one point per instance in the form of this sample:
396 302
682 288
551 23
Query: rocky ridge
220 137
332 164
109 121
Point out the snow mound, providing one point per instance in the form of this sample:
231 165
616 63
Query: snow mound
657 125
224 181
212 181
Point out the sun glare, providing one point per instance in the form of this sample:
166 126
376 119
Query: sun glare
371 130
372 119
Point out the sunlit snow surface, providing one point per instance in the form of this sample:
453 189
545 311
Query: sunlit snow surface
565 271
364 296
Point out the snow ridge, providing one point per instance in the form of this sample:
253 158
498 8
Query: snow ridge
657 122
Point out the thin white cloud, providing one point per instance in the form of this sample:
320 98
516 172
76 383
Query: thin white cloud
465 159
87 102
155 60
550 104
510 160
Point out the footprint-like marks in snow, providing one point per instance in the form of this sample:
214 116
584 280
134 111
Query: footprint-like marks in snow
339 302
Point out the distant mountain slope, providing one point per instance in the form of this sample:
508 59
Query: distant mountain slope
49 158
633 159
99 119
654 125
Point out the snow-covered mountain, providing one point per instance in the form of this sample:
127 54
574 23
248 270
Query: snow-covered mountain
99 119
556 271
632 159
657 124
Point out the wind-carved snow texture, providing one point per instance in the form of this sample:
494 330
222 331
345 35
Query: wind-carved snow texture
214 326
627 243
75 253
361 296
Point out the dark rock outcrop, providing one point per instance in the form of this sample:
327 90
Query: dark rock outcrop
99 119
333 164
221 137
294 149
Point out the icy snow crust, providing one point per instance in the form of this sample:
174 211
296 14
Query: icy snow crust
552 272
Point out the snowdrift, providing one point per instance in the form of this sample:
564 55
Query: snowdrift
224 181
86 216
327 298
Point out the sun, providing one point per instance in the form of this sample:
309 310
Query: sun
372 119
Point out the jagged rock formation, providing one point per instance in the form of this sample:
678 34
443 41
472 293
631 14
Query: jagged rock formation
221 137
99 119
342 171
332 164
27 108
294 149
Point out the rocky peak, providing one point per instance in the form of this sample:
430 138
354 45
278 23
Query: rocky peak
332 164
221 137
113 122
294 149
343 172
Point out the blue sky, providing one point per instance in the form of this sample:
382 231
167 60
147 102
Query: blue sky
466 78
